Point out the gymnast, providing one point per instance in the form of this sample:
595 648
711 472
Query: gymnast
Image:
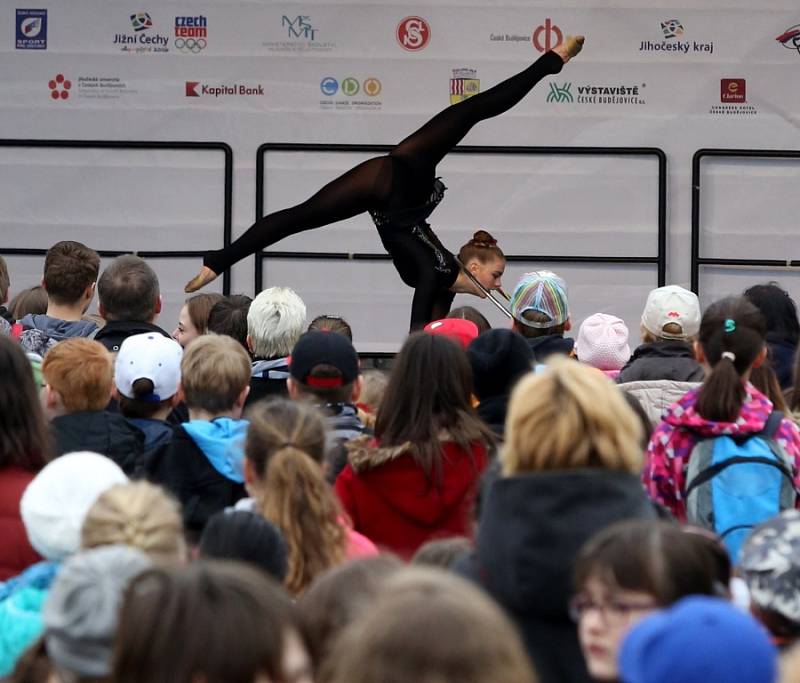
400 190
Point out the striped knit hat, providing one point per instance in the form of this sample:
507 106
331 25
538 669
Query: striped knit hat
542 292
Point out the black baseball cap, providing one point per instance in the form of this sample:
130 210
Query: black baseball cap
320 347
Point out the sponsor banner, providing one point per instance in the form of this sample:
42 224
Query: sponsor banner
31 29
217 90
350 93
63 88
143 39
733 99
191 34
300 33
671 41
464 83
413 33
618 94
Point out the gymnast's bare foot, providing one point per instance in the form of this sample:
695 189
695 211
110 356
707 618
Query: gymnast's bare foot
205 276
569 48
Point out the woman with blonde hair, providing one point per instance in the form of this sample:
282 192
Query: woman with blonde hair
284 452
140 515
569 469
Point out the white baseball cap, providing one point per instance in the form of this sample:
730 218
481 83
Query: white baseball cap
149 356
672 304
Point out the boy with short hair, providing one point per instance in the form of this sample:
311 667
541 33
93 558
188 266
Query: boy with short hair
203 464
78 380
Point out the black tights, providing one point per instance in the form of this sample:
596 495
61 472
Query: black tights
378 184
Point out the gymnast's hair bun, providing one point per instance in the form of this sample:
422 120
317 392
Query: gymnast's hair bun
483 239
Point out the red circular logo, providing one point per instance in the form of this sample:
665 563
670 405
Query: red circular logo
413 33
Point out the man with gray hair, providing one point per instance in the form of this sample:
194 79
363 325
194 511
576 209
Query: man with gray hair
275 321
130 301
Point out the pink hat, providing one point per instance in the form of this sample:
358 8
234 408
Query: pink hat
457 329
603 342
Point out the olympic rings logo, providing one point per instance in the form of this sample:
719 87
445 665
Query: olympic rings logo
194 45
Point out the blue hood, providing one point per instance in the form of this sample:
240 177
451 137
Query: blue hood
222 442
56 328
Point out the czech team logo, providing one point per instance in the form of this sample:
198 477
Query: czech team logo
31 29
547 36
789 38
733 90
413 33
464 84
191 33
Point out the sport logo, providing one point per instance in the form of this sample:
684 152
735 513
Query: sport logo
372 86
562 94
350 86
329 86
672 28
789 38
191 33
413 33
31 29
553 37
733 90
59 87
141 21
299 27
463 84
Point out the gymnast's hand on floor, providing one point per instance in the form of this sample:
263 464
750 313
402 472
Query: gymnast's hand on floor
205 276
569 48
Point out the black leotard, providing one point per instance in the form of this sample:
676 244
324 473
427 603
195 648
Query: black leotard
400 191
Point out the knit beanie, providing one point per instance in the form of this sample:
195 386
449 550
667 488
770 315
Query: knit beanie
55 503
498 358
698 640
82 609
603 342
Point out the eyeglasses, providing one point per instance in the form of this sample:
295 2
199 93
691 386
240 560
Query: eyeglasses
614 609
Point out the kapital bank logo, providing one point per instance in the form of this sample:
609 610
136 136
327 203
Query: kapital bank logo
413 33
198 89
790 38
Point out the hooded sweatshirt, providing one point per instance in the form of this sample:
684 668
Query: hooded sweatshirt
531 529
203 466
392 501
58 329
664 473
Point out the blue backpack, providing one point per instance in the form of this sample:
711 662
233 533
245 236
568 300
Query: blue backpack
734 483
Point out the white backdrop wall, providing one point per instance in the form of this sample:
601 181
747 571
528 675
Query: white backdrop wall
335 72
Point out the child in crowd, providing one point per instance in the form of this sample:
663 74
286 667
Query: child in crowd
731 341
463 332
569 469
203 464
373 388
628 571
285 450
31 301
235 626
229 317
417 478
24 449
193 318
603 343
331 323
147 375
78 383
540 307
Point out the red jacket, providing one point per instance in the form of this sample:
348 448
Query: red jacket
390 500
15 552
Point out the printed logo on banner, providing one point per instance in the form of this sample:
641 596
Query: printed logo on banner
619 94
89 87
547 36
413 33
142 40
789 38
199 89
191 34
672 30
464 84
733 98
349 88
31 29
300 34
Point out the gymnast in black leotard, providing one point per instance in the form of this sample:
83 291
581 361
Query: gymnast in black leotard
400 190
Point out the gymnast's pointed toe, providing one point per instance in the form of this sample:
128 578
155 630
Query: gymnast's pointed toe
200 280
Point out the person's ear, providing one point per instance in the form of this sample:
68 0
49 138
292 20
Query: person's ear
357 385
291 387
242 397
174 400
159 304
699 354
181 397
473 266
101 310
52 399
249 341
761 357
568 325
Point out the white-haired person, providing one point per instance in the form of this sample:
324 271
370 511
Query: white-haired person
275 321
